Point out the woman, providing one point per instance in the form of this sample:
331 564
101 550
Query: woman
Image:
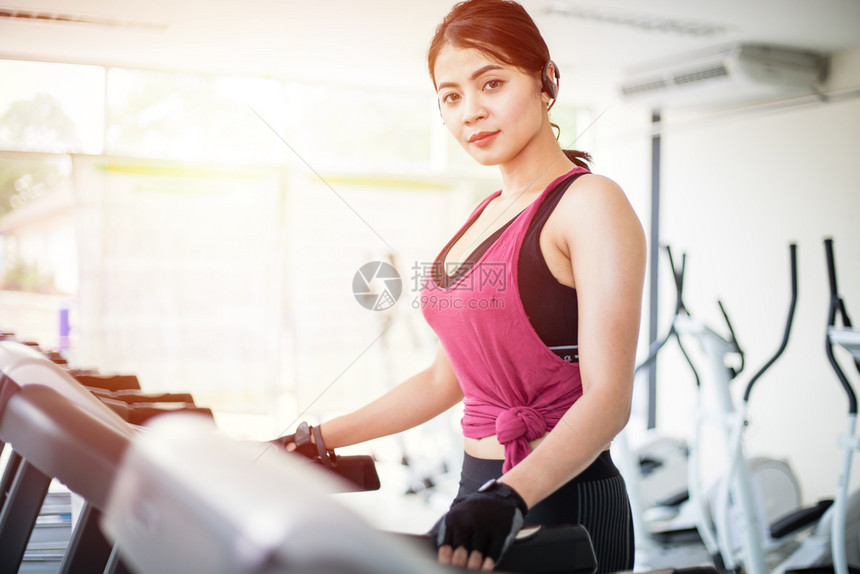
539 320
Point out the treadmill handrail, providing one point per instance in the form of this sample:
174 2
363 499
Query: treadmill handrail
63 440
23 366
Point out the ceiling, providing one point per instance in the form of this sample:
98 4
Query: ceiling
383 42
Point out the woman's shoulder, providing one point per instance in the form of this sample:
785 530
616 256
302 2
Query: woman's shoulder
592 191
595 203
590 182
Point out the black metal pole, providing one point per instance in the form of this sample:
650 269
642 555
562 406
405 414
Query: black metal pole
654 250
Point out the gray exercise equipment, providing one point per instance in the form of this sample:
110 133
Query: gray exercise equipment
834 544
733 512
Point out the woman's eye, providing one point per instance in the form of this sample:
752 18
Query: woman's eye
450 98
493 84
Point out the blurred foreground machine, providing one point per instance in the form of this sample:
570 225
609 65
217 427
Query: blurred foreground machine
178 496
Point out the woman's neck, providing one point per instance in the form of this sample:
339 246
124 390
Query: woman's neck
535 167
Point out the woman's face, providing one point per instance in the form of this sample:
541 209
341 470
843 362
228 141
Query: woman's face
493 110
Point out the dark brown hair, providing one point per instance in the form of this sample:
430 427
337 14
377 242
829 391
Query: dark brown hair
502 30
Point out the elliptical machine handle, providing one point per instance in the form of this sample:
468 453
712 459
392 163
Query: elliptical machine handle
793 256
680 309
734 341
837 305
678 276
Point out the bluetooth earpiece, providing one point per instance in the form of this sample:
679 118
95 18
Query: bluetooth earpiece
550 85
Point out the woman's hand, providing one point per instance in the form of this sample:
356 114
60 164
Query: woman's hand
302 441
479 527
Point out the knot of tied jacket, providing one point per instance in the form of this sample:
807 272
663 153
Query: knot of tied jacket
515 428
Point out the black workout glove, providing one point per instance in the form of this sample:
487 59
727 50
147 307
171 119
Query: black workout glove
486 521
314 448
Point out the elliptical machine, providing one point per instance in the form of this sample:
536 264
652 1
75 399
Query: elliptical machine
656 472
739 516
726 516
770 535
834 544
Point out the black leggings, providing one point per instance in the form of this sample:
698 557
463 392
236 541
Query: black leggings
596 499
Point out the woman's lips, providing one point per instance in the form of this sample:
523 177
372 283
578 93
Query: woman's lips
482 139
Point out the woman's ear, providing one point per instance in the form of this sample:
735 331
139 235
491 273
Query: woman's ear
545 98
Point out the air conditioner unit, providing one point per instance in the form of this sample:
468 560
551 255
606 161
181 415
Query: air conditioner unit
727 75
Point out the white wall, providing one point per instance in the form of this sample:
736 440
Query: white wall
735 194
735 191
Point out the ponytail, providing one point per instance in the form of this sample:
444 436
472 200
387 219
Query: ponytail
578 157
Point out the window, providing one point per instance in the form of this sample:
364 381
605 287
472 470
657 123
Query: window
358 129
193 117
37 246
51 107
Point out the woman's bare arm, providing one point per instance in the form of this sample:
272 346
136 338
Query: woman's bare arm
414 401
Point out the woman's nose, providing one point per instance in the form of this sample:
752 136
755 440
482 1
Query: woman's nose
473 109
